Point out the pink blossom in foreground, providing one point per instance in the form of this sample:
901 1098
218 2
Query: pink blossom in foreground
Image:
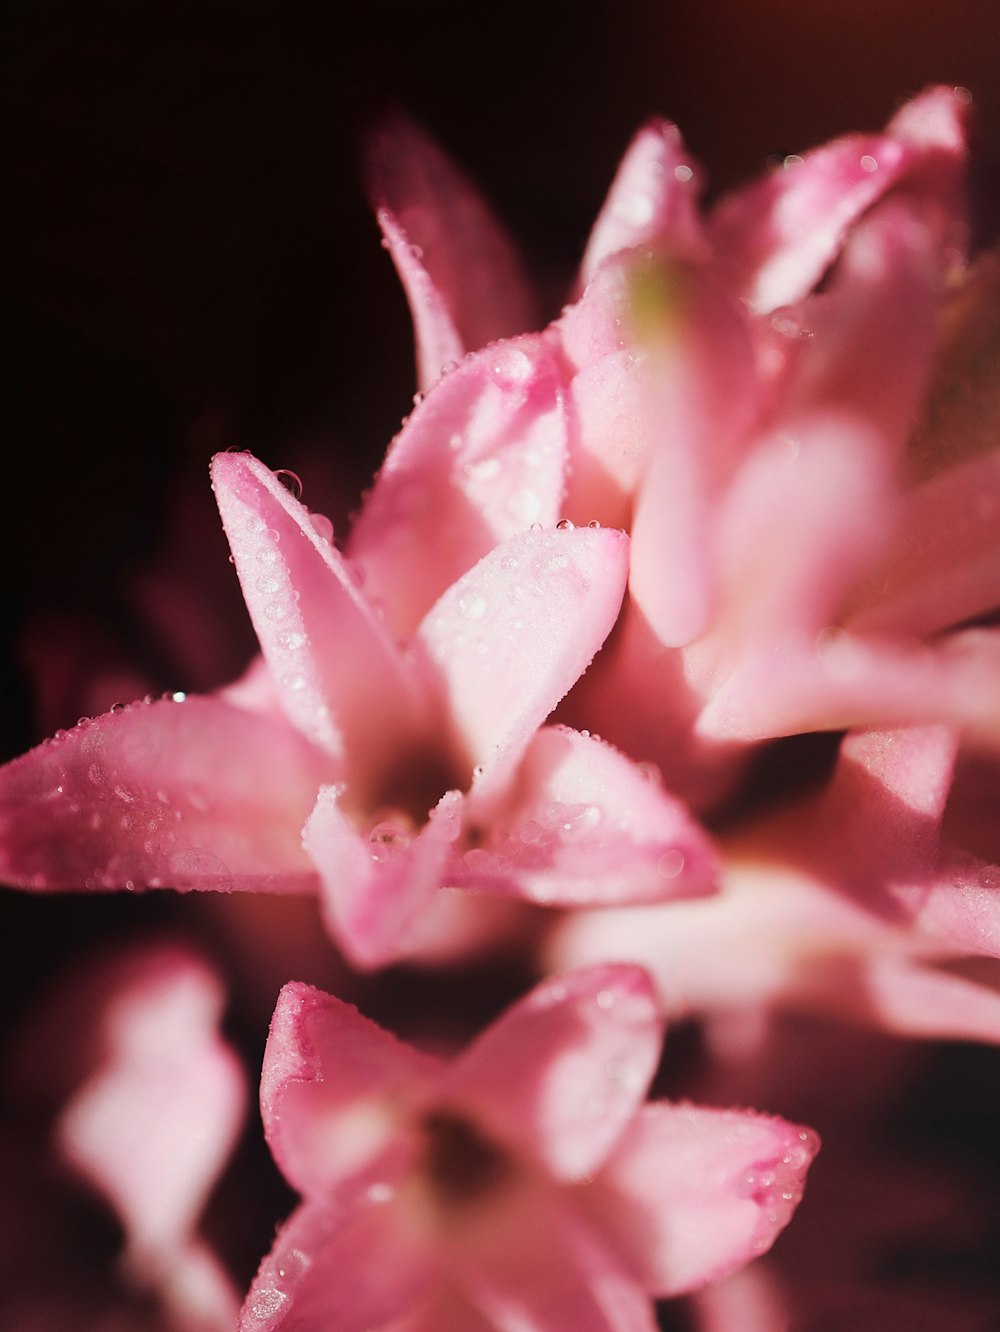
347 763
523 1185
856 901
147 1102
785 401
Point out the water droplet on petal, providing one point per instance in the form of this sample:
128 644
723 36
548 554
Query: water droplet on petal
868 163
564 525
472 605
322 526
290 481
683 174
605 999
670 864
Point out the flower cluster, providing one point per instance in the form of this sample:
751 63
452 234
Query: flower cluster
658 671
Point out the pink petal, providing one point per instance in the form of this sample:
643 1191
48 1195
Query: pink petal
192 794
543 1269
340 1271
777 238
653 200
510 638
481 458
330 655
376 884
462 277
591 827
691 1194
561 1074
960 904
335 1090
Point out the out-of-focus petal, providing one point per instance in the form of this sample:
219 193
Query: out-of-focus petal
944 563
560 1075
482 457
589 827
510 638
339 1271
332 658
700 1191
192 794
545 1270
462 277
375 885
653 200
777 238
334 1090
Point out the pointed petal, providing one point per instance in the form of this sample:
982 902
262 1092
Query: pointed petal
462 277
330 655
482 457
376 885
511 637
777 238
339 1271
960 904
560 1075
590 827
692 1194
334 1090
196 794
544 1269
653 200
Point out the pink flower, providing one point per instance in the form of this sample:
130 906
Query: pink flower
525 1184
374 773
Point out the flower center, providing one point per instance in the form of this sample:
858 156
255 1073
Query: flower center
461 1164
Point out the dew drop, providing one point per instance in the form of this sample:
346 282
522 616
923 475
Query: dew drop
322 526
670 864
472 605
683 174
605 999
274 611
564 525
868 163
290 481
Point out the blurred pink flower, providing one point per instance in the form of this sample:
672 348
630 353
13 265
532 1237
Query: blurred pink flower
785 403
524 1183
142 1102
858 901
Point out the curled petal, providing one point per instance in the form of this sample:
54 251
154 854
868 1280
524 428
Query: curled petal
700 1192
376 885
192 794
334 1089
510 638
590 827
482 457
779 237
462 277
561 1074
